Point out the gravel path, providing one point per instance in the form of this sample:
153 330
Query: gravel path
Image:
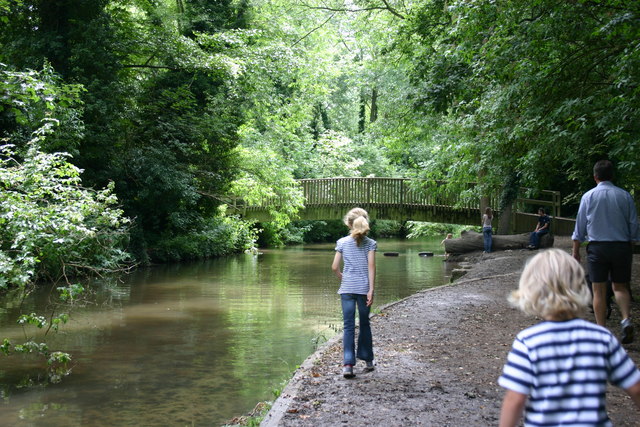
439 354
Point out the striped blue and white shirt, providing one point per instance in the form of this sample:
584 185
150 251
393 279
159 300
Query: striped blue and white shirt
355 270
564 367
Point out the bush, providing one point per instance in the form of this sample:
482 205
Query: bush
50 226
387 228
53 228
431 229
221 235
322 231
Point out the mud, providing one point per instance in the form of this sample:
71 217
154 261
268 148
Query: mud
439 354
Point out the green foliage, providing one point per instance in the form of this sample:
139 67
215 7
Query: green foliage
273 236
52 227
296 232
32 319
70 293
218 236
172 172
57 361
387 228
526 89
314 231
323 231
178 163
265 178
332 156
160 109
186 105
429 229
33 96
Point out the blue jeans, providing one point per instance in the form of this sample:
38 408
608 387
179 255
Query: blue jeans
488 238
534 240
365 341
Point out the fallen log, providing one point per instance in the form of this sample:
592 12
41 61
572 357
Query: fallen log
470 241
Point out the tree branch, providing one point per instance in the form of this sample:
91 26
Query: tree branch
313 30
386 7
160 67
392 10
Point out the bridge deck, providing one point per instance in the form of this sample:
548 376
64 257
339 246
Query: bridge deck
399 199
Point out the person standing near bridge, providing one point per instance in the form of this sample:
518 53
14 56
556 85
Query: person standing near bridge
357 279
607 218
487 230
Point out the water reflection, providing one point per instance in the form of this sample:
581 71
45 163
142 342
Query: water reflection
198 343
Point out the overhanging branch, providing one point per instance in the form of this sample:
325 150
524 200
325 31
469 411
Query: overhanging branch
387 7
158 67
313 30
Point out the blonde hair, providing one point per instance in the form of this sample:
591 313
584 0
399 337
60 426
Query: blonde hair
552 285
357 219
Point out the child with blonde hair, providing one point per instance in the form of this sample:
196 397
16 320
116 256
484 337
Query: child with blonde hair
357 278
557 370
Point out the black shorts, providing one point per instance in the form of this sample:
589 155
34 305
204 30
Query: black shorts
610 261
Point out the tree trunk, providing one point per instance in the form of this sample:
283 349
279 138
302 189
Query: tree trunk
373 114
507 198
362 113
470 241
504 225
484 199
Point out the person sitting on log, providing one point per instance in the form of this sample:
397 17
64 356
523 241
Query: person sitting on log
542 228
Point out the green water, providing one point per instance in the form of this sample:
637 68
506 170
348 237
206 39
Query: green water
195 344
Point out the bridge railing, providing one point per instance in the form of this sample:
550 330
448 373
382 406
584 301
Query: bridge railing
380 191
549 199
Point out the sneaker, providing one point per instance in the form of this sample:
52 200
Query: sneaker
370 366
347 371
627 331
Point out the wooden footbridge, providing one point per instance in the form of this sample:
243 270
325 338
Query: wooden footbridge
398 199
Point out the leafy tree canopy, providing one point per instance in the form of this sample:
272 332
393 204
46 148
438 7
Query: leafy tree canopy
540 90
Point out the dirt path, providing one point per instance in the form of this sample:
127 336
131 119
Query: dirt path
439 354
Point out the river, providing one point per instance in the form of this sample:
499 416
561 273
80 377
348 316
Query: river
195 344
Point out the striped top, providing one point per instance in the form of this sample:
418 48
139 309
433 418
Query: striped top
355 270
486 220
564 367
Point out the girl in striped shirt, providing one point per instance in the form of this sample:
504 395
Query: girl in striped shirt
557 371
357 254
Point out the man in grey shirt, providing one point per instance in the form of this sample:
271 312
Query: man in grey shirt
608 220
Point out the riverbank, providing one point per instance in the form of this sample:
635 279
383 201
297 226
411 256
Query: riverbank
439 354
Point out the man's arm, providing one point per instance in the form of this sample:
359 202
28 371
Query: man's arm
575 250
634 228
580 229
